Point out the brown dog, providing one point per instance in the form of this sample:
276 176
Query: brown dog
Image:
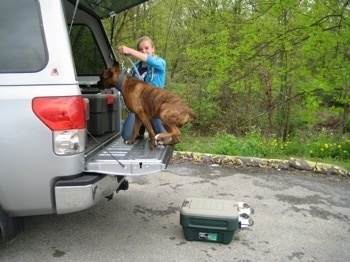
147 102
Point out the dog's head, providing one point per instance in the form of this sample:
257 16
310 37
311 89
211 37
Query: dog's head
109 78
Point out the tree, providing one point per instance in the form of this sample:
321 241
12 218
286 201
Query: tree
273 65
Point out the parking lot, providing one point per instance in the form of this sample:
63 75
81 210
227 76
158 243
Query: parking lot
298 217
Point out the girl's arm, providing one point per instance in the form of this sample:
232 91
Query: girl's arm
124 50
157 62
154 61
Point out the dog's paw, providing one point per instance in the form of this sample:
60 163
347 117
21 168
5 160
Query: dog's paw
128 142
167 140
152 144
162 138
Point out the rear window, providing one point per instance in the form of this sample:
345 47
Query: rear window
21 37
87 56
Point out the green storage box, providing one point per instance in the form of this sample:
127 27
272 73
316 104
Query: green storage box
211 220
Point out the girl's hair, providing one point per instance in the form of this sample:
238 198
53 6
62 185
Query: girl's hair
144 38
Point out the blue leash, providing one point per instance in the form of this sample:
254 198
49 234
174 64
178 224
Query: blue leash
120 80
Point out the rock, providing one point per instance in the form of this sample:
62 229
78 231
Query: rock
295 163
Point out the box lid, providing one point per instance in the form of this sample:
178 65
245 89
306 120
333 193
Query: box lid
210 208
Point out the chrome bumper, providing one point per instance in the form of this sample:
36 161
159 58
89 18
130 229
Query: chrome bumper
84 192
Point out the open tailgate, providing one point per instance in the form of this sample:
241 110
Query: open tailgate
118 158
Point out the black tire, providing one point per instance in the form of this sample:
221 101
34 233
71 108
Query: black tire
10 227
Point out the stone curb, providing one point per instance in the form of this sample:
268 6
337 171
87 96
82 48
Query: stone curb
294 163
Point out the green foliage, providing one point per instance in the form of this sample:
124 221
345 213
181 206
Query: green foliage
281 66
323 146
327 146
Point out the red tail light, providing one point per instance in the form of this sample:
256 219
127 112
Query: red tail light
60 113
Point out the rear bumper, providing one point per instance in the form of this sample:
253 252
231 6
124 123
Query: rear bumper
84 192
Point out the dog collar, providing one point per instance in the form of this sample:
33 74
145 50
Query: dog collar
120 80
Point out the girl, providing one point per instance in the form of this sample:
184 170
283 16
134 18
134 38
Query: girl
152 69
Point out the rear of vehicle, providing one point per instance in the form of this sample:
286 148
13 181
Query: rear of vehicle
51 55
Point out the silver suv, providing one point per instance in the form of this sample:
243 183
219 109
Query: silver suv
60 144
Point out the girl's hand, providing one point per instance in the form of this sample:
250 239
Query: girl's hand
124 50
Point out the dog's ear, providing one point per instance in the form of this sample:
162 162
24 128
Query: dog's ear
116 64
107 73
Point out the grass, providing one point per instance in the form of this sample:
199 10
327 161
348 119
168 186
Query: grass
321 147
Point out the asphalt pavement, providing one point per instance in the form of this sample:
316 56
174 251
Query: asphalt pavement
298 217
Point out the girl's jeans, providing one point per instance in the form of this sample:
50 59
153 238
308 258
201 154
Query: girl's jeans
128 126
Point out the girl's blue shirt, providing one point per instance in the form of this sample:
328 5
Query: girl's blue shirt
156 71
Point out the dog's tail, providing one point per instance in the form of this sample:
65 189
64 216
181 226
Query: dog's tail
188 115
192 113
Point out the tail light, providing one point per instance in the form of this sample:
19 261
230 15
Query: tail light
66 117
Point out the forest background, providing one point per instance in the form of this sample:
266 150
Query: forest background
266 78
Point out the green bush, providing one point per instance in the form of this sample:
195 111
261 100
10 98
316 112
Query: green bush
321 146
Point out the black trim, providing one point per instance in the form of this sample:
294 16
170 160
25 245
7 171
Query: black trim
168 155
86 179
104 9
